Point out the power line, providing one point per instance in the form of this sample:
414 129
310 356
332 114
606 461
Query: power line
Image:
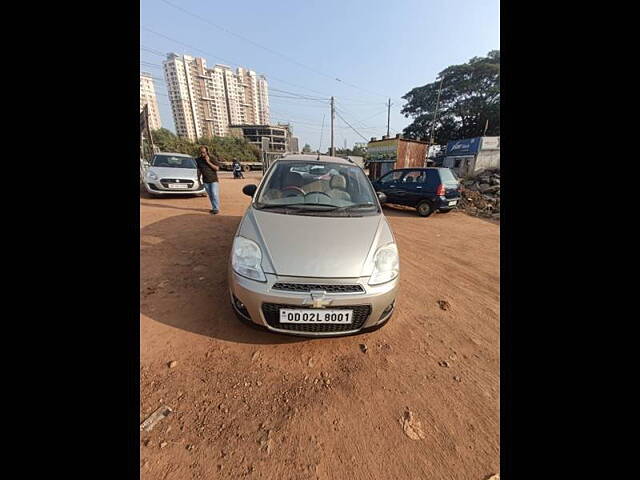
284 114
286 103
209 54
342 118
356 120
376 114
364 127
151 50
300 95
149 64
259 45
357 101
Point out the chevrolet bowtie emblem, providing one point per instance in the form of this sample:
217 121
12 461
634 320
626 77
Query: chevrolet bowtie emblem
317 299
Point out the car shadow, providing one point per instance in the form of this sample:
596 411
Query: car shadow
392 210
146 195
159 205
183 278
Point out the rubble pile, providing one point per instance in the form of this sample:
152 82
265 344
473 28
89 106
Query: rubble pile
480 196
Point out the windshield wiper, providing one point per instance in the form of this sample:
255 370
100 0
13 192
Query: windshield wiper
269 207
356 205
303 205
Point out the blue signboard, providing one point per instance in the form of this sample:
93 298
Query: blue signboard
467 146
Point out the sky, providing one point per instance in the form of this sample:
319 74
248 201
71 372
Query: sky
362 52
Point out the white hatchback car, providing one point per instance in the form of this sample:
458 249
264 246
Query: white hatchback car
172 173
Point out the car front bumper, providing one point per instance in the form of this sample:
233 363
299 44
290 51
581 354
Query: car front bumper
159 189
260 298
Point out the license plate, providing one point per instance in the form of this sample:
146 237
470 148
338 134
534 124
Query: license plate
320 315
178 185
453 203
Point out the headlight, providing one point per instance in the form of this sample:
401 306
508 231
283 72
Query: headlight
387 265
152 176
246 259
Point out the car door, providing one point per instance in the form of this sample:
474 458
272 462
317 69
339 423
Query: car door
389 185
411 191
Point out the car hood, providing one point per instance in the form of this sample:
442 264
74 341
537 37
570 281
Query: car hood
316 247
170 172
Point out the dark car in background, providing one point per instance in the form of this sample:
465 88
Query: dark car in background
425 189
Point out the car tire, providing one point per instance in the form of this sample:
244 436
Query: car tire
424 208
246 168
445 210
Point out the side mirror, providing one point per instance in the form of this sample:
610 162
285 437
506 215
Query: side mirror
382 197
249 190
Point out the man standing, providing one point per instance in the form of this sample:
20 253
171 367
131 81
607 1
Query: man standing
208 167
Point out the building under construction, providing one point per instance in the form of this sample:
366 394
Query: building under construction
276 138
390 153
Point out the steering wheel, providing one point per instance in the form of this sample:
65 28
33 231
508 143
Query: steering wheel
293 188
320 193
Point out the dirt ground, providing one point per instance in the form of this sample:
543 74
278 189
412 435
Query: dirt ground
422 401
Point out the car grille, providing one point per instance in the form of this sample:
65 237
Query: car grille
166 181
307 287
271 313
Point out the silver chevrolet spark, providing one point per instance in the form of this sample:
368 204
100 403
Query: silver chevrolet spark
314 254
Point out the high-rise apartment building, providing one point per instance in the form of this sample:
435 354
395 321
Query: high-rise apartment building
205 101
148 97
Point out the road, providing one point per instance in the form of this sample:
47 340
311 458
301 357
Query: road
421 402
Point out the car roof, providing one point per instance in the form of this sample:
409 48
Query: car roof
174 154
314 158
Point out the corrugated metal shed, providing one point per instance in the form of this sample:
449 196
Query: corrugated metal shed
390 153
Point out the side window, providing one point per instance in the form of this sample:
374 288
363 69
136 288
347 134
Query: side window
433 179
413 176
422 178
392 176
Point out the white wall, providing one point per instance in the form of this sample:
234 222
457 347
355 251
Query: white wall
487 159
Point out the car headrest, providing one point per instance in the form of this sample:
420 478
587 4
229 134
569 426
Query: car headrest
293 179
409 179
338 181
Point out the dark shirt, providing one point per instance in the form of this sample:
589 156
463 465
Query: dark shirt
209 175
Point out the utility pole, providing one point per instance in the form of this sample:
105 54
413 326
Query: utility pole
388 116
486 125
435 117
332 152
321 132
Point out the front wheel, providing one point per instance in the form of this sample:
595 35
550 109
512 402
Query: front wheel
246 168
424 209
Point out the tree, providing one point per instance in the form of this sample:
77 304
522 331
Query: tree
306 148
470 97
226 148
357 151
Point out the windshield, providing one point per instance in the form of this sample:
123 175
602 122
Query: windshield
173 161
311 187
447 176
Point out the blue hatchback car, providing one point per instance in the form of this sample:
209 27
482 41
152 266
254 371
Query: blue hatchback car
425 189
